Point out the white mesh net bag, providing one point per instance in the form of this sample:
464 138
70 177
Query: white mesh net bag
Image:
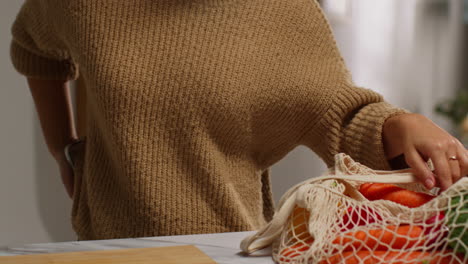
354 214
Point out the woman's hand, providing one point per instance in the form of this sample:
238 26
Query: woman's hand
419 139
67 175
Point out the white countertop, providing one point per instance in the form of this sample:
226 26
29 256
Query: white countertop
223 247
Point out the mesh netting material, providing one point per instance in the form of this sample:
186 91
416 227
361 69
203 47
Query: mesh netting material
327 220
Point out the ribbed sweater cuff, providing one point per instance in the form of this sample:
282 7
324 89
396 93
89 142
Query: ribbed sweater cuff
38 67
352 124
363 135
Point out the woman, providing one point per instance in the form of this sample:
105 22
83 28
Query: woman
191 102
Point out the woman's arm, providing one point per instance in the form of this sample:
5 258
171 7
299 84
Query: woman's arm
53 105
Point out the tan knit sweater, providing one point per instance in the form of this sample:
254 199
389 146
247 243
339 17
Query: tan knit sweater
190 102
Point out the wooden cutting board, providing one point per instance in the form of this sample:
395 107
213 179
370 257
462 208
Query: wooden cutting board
160 255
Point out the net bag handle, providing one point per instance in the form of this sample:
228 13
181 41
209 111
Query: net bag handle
267 234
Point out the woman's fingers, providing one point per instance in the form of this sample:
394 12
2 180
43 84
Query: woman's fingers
454 167
458 161
442 168
453 159
462 156
450 162
422 171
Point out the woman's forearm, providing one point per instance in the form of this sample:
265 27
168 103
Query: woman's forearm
54 108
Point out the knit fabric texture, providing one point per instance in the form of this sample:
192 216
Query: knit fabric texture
190 102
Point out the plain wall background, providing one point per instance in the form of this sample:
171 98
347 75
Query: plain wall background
33 205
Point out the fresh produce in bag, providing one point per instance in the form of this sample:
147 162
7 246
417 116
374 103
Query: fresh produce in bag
354 214
457 217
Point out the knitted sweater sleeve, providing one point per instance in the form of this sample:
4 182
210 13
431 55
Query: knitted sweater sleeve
37 51
352 124
343 118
